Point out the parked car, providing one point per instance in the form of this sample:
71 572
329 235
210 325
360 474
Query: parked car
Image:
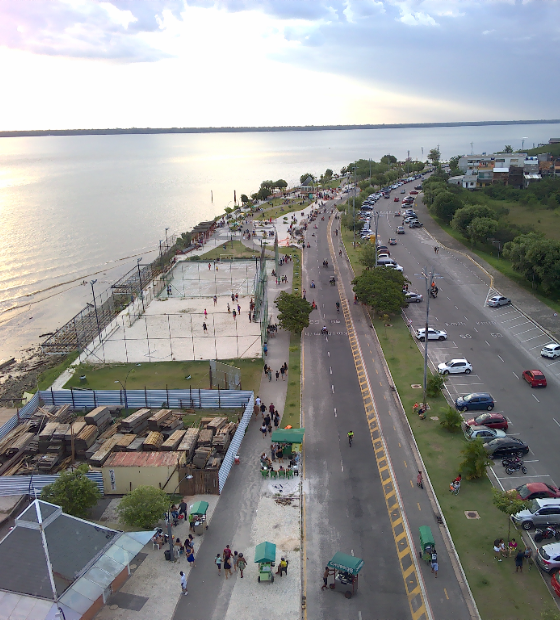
415 298
392 241
394 266
551 350
540 512
498 300
537 490
415 224
555 582
433 334
383 255
417 187
477 400
403 191
491 420
548 557
481 432
504 446
409 218
413 191
396 199
455 366
400 230
535 378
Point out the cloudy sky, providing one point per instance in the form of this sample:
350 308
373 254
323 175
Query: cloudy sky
194 63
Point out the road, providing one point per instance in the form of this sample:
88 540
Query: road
362 500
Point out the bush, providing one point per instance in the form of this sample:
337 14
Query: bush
73 491
435 384
143 507
451 420
476 460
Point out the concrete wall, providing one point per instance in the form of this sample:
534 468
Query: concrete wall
121 480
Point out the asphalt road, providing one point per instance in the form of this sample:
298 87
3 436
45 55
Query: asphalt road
362 500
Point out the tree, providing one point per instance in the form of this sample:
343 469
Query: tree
143 507
434 156
435 384
476 460
482 228
263 193
281 184
451 420
244 198
508 503
328 174
454 162
368 255
381 289
445 205
294 312
388 159
508 148
464 216
74 492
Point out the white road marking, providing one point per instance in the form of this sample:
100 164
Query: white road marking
486 341
514 319
535 398
556 421
533 338
515 375
335 414
501 359
526 331
476 330
330 370
332 388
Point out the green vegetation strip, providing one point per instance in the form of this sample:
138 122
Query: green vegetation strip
235 248
283 209
47 378
489 580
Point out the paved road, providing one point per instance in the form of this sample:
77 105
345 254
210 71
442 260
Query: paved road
362 500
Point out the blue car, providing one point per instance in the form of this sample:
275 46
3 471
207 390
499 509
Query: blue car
478 400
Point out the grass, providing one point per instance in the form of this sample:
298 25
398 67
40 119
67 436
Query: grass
232 247
292 405
527 596
283 209
353 253
47 378
161 375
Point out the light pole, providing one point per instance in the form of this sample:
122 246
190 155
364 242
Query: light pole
95 308
140 278
166 244
124 386
354 208
428 295
523 142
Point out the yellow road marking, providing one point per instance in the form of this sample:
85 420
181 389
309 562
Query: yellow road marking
446 595
415 596
419 508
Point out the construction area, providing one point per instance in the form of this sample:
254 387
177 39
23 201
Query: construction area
199 310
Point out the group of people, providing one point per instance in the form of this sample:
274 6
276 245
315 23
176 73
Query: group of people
270 417
230 559
512 549
283 372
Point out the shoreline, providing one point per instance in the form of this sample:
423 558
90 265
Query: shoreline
263 129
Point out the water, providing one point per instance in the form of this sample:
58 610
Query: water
76 206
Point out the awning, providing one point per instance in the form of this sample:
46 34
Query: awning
199 508
346 563
288 435
265 552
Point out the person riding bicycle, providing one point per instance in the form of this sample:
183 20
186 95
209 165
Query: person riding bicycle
338 306
350 437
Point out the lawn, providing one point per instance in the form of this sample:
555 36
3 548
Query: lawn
282 209
500 594
161 375
47 378
236 248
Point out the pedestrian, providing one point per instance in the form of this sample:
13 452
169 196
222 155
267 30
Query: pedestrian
272 452
263 409
282 567
250 317
241 564
283 372
234 314
276 420
271 408
215 299
258 401
497 550
285 368
419 480
184 583
256 409
235 560
236 296
190 557
265 348
232 297
519 561
209 266
228 308
191 522
227 566
326 578
264 429
435 567
267 419
266 368
238 309
269 374
277 374
280 454
183 509
204 327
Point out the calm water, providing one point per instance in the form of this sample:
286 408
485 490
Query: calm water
74 206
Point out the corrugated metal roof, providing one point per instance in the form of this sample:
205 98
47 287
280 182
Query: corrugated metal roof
144 459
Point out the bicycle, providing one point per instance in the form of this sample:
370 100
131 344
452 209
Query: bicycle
350 438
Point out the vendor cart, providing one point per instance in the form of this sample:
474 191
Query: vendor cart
427 543
345 570
198 522
265 557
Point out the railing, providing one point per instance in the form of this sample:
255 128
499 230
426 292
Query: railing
33 485
25 412
235 443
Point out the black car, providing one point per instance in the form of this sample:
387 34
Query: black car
504 446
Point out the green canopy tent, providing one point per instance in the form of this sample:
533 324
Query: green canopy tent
199 508
288 435
346 568
265 556
197 517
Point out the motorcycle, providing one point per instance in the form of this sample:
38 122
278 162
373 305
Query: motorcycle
511 460
513 467
550 531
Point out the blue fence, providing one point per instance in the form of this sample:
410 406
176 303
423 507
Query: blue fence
24 413
33 485
235 443
170 399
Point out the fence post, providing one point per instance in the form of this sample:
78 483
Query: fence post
52 395
199 399
94 400
166 395
219 399
146 397
73 403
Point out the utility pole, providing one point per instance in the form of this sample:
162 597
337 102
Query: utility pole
354 209
95 308
376 216
140 279
428 295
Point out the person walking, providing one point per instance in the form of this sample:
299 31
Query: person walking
184 583
227 566
190 557
282 567
277 375
205 328
218 562
241 564
263 409
269 374
419 481
519 561
228 308
258 401
326 578
205 314
238 309
235 560
215 299
264 429
183 509
234 315
282 371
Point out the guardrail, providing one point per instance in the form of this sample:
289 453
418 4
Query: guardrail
235 443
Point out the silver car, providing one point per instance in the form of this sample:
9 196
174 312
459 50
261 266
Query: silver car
481 432
548 557
551 350
433 334
498 300
540 512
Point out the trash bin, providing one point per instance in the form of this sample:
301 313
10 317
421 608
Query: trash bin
168 555
236 459
83 379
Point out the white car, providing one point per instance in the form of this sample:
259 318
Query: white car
395 266
433 334
482 432
551 350
498 300
454 367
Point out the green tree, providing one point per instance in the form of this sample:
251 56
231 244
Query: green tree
476 460
244 198
143 507
281 184
454 162
508 503
388 159
451 419
294 312
435 384
74 492
508 148
464 216
368 255
445 205
263 193
482 228
382 290
328 174
434 156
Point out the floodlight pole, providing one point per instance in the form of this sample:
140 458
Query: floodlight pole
140 278
95 308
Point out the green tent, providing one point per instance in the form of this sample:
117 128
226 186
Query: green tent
288 435
265 552
199 508
346 563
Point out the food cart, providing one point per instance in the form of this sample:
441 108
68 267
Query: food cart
265 557
345 569
427 543
198 511
290 440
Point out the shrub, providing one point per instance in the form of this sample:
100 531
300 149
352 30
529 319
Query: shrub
451 420
476 460
435 384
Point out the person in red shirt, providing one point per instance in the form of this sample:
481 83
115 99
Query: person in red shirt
227 553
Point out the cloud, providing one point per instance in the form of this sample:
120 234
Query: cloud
85 29
485 32
418 19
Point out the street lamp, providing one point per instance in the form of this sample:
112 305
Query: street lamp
124 386
140 278
95 307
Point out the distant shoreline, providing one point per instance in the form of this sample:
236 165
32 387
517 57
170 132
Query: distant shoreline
154 130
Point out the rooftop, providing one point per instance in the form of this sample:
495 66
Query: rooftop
144 459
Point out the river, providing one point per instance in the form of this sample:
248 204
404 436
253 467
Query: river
77 207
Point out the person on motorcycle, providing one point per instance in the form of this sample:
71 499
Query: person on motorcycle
338 306
325 330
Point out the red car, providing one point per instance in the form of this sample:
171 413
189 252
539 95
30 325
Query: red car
534 378
395 199
413 191
537 490
555 581
491 420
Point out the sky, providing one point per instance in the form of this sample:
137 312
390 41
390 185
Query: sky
201 63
